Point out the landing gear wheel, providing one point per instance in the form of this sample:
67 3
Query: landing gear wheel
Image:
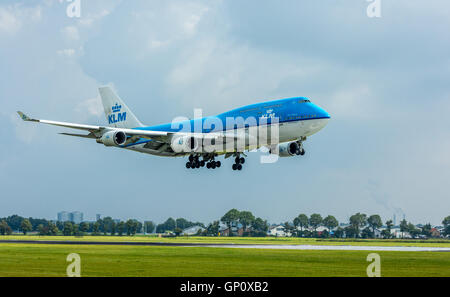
234 166
239 167
188 165
213 165
208 165
242 160
202 163
302 151
237 160
218 164
191 158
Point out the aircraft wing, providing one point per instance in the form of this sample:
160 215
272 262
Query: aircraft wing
96 131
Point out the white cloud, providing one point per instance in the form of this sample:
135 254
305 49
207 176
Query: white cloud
24 132
154 44
71 33
9 23
13 17
92 107
68 52
355 101
92 18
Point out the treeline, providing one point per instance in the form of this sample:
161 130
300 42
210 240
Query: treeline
359 226
176 226
45 227
234 222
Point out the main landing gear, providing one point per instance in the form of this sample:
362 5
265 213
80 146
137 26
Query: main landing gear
210 162
238 162
194 163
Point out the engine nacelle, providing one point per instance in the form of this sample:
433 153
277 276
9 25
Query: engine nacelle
288 149
114 138
185 144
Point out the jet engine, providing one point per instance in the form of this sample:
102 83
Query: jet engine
114 138
289 149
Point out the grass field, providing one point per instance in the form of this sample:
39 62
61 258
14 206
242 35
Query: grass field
50 260
244 240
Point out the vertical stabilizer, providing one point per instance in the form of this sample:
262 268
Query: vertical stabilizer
117 112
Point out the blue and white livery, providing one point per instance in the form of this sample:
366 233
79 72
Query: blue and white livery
280 125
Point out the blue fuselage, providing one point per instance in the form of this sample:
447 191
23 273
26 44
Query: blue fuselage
284 110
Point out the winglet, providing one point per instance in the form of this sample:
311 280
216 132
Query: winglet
25 117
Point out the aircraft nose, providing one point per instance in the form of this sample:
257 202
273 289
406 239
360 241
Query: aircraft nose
322 113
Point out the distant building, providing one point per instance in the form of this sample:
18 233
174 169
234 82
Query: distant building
278 231
192 230
63 216
76 217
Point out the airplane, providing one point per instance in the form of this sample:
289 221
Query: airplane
204 139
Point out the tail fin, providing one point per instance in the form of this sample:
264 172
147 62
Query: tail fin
117 112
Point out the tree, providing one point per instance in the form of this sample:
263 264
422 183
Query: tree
367 233
374 222
84 227
426 230
339 232
260 225
52 229
288 228
315 221
182 223
120 228
41 229
178 231
96 228
149 226
412 230
113 227
168 225
386 233
296 222
246 218
303 221
230 217
213 228
403 227
107 225
5 229
130 227
76 229
351 231
68 229
330 222
25 226
446 223
357 221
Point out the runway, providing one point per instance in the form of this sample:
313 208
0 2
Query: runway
244 246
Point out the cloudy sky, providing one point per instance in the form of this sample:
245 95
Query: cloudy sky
385 81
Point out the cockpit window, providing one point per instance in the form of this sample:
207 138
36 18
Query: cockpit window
304 101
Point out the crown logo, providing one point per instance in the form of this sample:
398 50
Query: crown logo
116 108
